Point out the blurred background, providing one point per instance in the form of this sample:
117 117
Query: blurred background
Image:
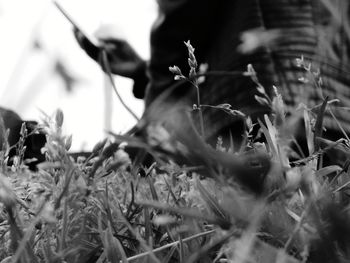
42 68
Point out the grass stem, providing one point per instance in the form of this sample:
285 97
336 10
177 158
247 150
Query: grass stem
171 245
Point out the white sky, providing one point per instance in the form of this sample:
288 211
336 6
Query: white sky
26 84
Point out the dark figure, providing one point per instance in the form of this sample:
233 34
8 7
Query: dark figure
274 34
33 143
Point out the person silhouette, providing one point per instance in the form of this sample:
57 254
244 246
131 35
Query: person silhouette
228 35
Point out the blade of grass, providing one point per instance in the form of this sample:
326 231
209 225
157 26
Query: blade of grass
268 137
152 188
171 245
309 133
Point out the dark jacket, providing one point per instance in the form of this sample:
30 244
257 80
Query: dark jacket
214 28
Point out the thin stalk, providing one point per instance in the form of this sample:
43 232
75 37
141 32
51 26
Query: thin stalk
171 245
106 66
199 108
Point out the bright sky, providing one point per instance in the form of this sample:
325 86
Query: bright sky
26 80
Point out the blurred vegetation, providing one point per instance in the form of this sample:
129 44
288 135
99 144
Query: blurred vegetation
265 201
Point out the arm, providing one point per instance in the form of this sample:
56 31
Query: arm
124 60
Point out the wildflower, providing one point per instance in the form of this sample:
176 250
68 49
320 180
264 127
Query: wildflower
192 62
175 70
178 74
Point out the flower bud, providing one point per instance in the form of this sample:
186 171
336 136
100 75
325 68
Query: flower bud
175 70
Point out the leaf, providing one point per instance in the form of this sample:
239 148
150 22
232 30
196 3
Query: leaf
271 143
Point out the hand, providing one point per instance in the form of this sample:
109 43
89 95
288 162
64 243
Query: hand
123 59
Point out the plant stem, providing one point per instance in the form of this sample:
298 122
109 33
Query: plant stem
199 108
106 66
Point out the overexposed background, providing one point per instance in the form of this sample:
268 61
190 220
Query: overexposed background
43 68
